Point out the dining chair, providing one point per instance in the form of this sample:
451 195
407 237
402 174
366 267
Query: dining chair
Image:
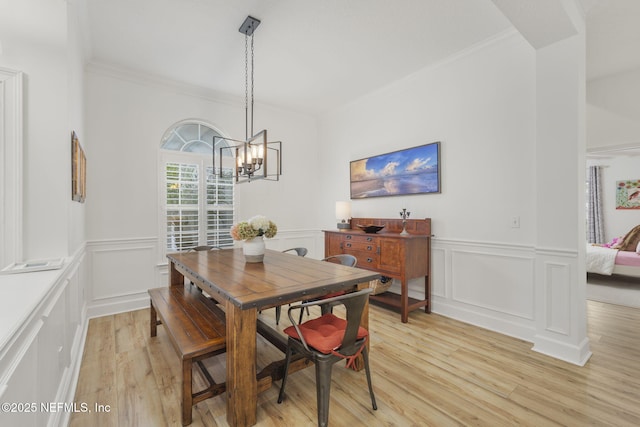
326 340
344 259
299 252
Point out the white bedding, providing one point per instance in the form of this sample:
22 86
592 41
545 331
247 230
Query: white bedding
601 260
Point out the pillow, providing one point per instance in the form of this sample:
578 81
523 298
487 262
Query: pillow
638 248
631 240
324 333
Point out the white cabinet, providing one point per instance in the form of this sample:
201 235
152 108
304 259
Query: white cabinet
41 352
18 387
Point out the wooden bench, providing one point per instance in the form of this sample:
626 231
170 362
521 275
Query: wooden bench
196 328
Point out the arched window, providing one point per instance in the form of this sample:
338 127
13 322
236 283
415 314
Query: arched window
198 203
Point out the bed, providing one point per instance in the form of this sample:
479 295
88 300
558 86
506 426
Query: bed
607 261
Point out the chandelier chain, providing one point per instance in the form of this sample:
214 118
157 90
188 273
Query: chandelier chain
252 85
246 87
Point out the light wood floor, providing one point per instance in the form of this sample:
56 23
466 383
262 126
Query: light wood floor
433 371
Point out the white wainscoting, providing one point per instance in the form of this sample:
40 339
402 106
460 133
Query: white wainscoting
511 289
561 307
121 272
487 284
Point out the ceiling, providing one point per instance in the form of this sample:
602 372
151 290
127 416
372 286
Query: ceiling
310 55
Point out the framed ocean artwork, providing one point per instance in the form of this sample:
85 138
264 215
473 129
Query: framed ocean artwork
413 170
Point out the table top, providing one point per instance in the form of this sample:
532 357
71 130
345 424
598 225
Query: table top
280 279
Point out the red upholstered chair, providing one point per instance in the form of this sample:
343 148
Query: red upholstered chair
329 339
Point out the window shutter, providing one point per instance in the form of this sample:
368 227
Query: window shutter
182 206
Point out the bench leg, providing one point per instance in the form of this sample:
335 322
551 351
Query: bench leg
187 396
153 320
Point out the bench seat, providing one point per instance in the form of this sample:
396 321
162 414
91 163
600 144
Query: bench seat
196 327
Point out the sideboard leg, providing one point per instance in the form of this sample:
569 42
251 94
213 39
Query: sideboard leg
404 301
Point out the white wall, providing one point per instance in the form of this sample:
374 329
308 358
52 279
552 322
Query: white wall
613 111
126 119
53 100
481 107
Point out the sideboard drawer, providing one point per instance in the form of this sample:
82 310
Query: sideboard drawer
366 260
349 246
362 238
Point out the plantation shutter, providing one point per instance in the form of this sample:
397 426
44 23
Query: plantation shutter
182 186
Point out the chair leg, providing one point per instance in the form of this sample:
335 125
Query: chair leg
325 310
278 313
302 314
365 356
323 385
286 372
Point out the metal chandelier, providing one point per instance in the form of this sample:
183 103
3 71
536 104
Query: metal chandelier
254 157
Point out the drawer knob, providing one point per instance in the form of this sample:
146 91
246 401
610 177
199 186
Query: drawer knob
369 239
348 237
369 247
348 245
369 260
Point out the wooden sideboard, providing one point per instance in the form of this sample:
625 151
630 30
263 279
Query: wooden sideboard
403 257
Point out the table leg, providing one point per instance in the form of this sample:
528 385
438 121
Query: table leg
242 385
175 277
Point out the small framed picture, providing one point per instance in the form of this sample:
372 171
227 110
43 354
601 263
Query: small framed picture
628 194
78 170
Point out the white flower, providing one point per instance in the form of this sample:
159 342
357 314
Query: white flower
259 222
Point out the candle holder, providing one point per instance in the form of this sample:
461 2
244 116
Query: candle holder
404 215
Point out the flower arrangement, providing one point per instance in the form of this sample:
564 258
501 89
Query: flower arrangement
257 226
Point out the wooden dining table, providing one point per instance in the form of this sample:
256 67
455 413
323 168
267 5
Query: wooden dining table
244 289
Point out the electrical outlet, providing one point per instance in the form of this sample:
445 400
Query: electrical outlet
515 222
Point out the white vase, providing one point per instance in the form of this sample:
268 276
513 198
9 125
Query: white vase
253 249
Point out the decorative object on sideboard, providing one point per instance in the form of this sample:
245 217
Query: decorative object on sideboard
404 215
252 232
411 171
371 228
343 215
255 154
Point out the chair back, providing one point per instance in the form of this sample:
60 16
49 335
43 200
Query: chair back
203 248
298 251
354 304
344 259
